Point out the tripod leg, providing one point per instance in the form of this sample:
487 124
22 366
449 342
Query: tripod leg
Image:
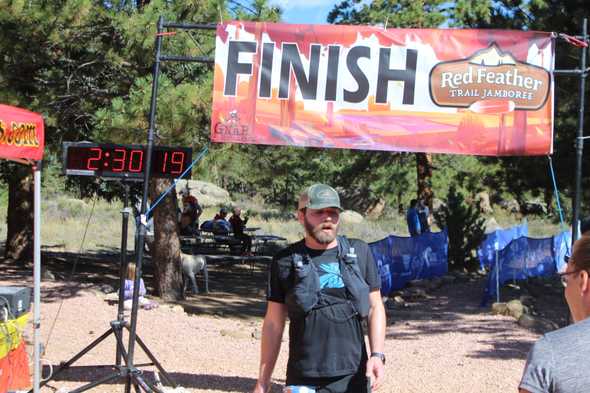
163 372
77 356
120 346
101 381
128 384
147 386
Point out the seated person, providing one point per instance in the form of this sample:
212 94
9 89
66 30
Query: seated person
220 224
222 215
187 227
238 225
190 206
128 291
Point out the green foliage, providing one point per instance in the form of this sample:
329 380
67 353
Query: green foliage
465 227
469 175
410 13
59 59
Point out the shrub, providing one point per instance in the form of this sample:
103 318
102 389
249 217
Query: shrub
466 230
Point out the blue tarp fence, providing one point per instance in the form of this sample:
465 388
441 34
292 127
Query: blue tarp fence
487 250
402 259
527 257
562 244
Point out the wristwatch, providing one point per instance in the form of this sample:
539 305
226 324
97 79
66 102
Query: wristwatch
379 355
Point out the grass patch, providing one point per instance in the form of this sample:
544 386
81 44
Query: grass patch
64 220
539 226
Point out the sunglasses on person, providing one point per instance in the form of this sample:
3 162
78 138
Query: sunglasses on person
564 275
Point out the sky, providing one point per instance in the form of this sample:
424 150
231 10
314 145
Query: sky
305 11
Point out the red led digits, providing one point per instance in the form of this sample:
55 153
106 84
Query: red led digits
165 162
178 161
119 156
136 161
95 156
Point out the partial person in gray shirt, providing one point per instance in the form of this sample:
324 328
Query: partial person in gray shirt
557 362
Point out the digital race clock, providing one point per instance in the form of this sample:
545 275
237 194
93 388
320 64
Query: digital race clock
123 161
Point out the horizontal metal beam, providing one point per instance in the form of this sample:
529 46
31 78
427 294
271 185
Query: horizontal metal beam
576 71
198 59
190 26
580 37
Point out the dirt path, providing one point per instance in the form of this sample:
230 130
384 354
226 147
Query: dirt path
209 343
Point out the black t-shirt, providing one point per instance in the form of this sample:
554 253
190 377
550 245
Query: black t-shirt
328 341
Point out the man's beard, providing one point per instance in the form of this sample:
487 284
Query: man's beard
318 234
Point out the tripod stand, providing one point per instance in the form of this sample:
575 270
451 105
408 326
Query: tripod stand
128 371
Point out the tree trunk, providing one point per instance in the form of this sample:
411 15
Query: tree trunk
141 3
166 247
548 197
424 177
19 237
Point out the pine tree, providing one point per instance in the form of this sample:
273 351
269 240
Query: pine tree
465 228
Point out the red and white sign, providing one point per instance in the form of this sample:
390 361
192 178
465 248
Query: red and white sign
482 92
21 134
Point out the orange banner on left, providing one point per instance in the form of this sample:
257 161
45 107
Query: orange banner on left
22 134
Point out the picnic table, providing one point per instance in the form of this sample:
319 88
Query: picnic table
223 249
207 243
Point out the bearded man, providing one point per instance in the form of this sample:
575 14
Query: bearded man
326 285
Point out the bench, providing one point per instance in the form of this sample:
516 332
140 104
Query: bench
210 244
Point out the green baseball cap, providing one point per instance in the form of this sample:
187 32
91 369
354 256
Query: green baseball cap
320 196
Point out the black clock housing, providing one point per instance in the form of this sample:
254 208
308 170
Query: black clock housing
123 161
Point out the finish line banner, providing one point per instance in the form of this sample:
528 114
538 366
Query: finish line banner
478 92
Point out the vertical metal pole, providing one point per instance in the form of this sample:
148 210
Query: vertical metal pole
37 277
123 267
579 141
146 181
496 247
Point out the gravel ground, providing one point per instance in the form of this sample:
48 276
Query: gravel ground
210 343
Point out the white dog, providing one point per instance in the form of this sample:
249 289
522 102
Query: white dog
191 265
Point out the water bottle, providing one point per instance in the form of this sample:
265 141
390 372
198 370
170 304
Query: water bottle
298 389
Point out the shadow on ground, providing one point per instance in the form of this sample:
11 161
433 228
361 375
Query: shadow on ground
88 374
236 289
455 309
91 270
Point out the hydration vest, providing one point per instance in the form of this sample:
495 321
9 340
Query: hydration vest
305 294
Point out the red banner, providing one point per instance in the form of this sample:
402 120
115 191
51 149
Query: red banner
21 134
481 92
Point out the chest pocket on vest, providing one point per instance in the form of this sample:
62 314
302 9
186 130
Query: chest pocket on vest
304 295
356 286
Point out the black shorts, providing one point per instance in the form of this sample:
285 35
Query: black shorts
353 383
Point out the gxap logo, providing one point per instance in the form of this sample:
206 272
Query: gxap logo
232 127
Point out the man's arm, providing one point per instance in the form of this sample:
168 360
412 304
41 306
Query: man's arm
377 320
272 334
523 391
